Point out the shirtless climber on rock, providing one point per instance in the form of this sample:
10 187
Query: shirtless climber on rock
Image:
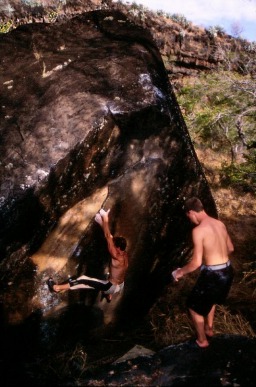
117 269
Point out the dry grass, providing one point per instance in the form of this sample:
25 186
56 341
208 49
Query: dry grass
63 365
169 328
229 323
249 276
175 326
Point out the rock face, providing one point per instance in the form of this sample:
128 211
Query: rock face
230 360
89 120
186 49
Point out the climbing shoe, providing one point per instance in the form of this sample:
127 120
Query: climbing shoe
50 284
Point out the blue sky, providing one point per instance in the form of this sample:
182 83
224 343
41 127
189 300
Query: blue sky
206 13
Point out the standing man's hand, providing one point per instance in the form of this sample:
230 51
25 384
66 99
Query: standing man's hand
176 275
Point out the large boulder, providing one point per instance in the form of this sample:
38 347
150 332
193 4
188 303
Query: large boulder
89 121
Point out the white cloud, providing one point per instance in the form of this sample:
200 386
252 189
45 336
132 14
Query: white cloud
205 12
205 9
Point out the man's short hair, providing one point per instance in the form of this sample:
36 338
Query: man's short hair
193 204
120 242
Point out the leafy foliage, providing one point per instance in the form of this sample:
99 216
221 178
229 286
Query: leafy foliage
220 111
181 19
6 26
215 31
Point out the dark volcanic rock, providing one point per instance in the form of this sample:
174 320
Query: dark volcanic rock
89 118
229 361
186 49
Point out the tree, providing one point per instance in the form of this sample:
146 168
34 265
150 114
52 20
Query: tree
236 29
220 112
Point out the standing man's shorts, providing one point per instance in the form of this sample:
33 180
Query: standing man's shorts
212 287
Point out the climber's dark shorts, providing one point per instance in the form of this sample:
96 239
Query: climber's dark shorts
212 287
85 282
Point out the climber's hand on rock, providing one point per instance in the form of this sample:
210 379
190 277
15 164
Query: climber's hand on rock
98 219
103 213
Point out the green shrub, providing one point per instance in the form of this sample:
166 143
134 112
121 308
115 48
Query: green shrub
241 176
181 19
6 27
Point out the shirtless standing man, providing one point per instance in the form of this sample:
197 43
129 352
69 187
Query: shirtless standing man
118 266
212 246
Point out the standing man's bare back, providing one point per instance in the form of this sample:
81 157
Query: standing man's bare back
211 235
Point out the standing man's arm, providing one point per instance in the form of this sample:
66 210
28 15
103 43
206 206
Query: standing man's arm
197 257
